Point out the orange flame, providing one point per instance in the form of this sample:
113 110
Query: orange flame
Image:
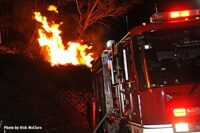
53 48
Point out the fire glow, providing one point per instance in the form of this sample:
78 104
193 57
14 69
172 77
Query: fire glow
53 48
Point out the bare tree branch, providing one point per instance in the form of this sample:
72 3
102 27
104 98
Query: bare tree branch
80 14
91 11
86 23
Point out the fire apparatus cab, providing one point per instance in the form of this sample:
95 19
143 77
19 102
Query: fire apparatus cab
148 82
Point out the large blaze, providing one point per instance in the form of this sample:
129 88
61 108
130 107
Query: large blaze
52 46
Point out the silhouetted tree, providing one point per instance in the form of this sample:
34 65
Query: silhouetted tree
91 11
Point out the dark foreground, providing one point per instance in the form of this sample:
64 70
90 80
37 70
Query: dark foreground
38 98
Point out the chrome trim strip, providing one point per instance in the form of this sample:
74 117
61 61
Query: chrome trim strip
122 99
140 109
135 124
158 126
152 126
125 64
112 72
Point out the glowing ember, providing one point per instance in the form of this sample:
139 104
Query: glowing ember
53 48
52 8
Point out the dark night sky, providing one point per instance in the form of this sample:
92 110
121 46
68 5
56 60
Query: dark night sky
141 13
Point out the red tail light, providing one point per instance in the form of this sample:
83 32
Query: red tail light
93 113
179 112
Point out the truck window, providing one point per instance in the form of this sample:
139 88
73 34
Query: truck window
138 62
172 55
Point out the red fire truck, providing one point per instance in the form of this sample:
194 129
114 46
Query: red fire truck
148 82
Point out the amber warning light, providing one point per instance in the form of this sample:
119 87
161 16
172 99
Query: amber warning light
180 14
179 112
